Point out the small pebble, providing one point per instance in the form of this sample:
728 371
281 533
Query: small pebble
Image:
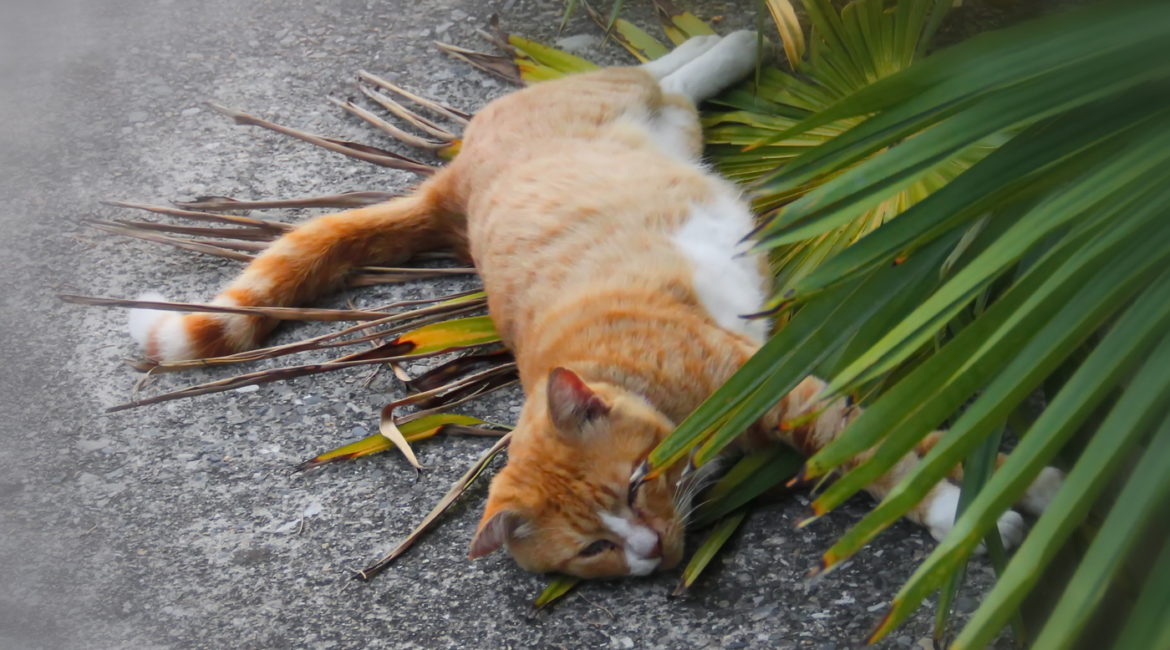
577 43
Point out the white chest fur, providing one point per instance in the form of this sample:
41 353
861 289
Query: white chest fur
728 282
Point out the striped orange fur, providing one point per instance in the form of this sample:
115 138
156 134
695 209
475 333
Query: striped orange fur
608 252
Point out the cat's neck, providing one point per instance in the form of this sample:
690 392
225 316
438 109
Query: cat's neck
655 342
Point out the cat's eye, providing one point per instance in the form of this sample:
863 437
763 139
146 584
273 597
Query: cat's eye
636 481
632 494
597 548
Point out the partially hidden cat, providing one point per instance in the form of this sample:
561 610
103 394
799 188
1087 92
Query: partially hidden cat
612 262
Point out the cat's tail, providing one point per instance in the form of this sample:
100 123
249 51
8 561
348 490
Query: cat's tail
307 262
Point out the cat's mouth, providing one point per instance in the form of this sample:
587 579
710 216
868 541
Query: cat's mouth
667 551
662 510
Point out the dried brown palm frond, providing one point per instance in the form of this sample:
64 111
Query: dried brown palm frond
256 378
388 128
241 244
400 332
433 339
417 317
427 332
496 65
357 150
278 313
453 114
341 200
452 370
225 248
245 234
474 384
466 385
450 306
414 119
199 215
415 427
457 489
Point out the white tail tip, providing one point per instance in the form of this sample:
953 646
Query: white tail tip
142 321
162 335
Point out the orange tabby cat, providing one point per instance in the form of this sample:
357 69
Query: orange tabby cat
611 258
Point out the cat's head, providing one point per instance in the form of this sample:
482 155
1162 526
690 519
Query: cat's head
563 502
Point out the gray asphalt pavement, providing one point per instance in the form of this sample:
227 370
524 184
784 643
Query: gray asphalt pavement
181 525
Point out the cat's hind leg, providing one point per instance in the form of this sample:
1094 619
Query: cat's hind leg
938 509
690 50
1042 490
307 262
730 60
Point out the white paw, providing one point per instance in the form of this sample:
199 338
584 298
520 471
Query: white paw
695 46
690 50
734 57
731 59
1011 529
940 515
1042 490
940 519
742 44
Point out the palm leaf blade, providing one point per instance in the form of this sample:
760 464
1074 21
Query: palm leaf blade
1082 312
1146 490
1124 425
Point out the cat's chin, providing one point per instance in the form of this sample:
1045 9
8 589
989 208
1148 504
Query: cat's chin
673 540
670 559
673 537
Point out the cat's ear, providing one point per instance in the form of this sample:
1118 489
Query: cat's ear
493 532
571 403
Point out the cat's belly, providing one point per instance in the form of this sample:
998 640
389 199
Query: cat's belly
728 282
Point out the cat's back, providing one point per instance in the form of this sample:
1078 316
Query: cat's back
527 123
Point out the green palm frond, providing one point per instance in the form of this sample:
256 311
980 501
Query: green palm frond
414 427
848 50
1039 271
1027 172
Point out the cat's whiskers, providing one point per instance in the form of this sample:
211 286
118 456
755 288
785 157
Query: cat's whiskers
689 486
